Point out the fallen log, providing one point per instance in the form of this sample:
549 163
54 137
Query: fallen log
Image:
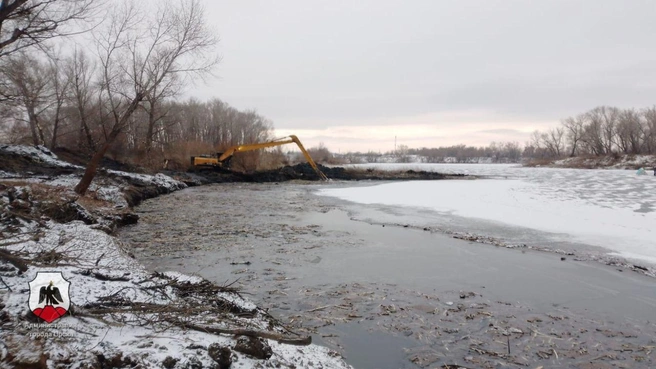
301 341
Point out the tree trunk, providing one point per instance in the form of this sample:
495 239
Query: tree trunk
85 129
92 167
55 127
151 128
35 136
37 132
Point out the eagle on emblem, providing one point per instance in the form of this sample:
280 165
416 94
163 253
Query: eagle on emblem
50 294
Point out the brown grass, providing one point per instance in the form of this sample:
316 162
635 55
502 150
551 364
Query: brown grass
539 162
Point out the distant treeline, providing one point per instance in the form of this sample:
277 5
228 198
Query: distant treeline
603 130
505 152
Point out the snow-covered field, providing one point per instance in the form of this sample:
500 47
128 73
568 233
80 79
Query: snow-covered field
613 209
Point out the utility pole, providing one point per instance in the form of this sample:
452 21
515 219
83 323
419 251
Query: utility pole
394 145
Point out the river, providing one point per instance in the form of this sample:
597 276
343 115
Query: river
389 287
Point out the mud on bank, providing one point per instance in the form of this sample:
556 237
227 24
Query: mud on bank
305 172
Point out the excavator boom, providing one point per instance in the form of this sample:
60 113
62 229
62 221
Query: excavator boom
214 161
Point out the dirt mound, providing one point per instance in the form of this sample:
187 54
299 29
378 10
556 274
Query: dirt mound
305 172
221 175
38 160
82 159
16 161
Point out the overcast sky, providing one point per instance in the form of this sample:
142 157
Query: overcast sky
355 74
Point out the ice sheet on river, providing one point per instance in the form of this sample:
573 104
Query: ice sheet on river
613 209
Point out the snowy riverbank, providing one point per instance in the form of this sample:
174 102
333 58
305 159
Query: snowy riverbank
120 314
615 161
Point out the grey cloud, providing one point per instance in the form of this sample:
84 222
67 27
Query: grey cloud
502 131
351 63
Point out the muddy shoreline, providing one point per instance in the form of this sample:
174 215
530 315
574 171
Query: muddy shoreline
395 297
118 314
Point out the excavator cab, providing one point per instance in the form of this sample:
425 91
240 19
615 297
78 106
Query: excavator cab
211 161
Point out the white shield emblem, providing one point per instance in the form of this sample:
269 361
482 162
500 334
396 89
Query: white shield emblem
49 299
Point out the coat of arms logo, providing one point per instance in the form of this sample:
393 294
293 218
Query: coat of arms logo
49 299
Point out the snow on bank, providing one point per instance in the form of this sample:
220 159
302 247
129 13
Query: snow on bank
609 161
42 155
623 228
80 339
108 185
39 154
159 180
4 174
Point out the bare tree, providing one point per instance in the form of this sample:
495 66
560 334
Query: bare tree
574 131
27 23
512 151
610 117
603 120
529 150
649 129
553 141
592 138
79 71
402 154
372 156
320 154
535 139
60 82
629 132
141 51
12 129
154 109
29 81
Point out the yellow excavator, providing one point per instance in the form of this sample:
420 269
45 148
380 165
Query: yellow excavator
222 160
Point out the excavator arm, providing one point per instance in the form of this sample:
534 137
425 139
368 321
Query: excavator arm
263 145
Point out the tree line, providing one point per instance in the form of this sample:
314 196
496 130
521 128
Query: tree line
497 152
113 89
56 103
603 130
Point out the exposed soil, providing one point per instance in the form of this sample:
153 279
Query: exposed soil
81 159
305 172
